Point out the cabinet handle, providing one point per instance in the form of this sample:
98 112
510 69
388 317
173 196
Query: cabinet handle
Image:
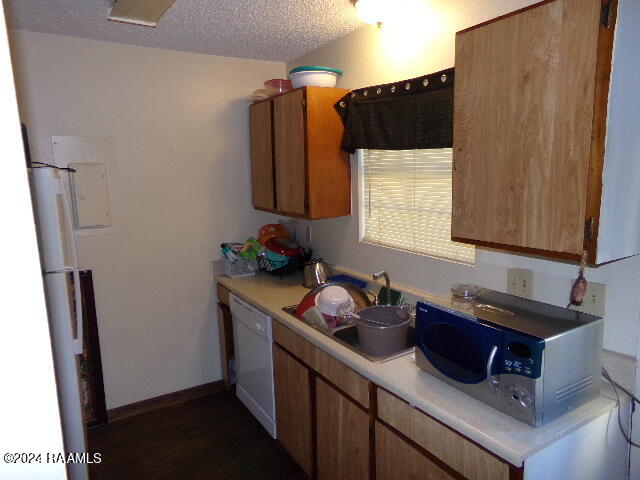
493 385
606 15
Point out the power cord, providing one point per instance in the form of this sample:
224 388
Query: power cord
634 400
48 165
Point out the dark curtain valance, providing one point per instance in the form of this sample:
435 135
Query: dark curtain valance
415 113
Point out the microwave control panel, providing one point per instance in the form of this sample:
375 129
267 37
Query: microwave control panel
522 355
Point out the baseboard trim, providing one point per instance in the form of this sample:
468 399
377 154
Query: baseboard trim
166 400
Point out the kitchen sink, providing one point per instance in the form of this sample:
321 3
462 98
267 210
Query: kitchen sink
348 336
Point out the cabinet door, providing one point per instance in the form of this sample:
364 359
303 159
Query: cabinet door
342 436
290 161
445 444
398 460
261 155
225 334
329 176
523 116
293 407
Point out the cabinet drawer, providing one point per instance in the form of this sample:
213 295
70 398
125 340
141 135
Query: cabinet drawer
442 442
343 377
293 342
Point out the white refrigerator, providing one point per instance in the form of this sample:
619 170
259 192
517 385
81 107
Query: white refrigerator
51 188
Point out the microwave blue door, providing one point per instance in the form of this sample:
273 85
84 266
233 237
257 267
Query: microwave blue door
457 346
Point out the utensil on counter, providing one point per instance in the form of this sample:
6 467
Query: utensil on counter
284 247
314 317
277 85
271 230
389 297
307 302
465 291
360 299
383 329
341 277
331 299
315 273
354 316
259 95
325 322
346 310
313 75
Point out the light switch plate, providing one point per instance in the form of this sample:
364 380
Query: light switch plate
593 299
520 282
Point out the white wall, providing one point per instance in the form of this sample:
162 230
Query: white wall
179 122
29 409
370 56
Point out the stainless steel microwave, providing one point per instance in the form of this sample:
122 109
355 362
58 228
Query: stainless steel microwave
530 360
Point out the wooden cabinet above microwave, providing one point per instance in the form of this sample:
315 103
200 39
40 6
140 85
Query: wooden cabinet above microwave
297 166
546 150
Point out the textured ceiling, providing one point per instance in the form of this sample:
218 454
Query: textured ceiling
278 30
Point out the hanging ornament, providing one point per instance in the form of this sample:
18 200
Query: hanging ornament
579 287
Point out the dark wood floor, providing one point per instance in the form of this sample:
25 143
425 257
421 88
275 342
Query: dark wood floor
209 438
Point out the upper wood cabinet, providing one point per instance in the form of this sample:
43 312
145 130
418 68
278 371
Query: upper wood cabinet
297 166
545 157
289 142
261 155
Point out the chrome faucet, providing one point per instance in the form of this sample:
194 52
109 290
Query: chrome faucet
384 274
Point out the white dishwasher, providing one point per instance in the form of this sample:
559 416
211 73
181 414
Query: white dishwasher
254 362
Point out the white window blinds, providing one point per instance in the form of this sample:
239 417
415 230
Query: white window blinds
406 202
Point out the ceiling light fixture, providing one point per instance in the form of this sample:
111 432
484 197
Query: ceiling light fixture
371 11
139 12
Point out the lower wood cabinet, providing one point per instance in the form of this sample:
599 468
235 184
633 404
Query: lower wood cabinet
398 460
225 334
336 429
443 443
342 436
293 407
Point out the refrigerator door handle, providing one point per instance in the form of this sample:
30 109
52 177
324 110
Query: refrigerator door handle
78 340
68 218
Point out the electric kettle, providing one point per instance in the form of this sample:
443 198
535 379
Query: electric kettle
315 273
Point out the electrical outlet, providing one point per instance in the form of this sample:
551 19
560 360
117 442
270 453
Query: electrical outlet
520 282
593 299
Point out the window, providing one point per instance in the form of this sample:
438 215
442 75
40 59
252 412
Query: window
405 202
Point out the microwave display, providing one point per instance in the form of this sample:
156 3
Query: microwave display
519 349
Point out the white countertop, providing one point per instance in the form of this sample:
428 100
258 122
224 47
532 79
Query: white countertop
506 437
